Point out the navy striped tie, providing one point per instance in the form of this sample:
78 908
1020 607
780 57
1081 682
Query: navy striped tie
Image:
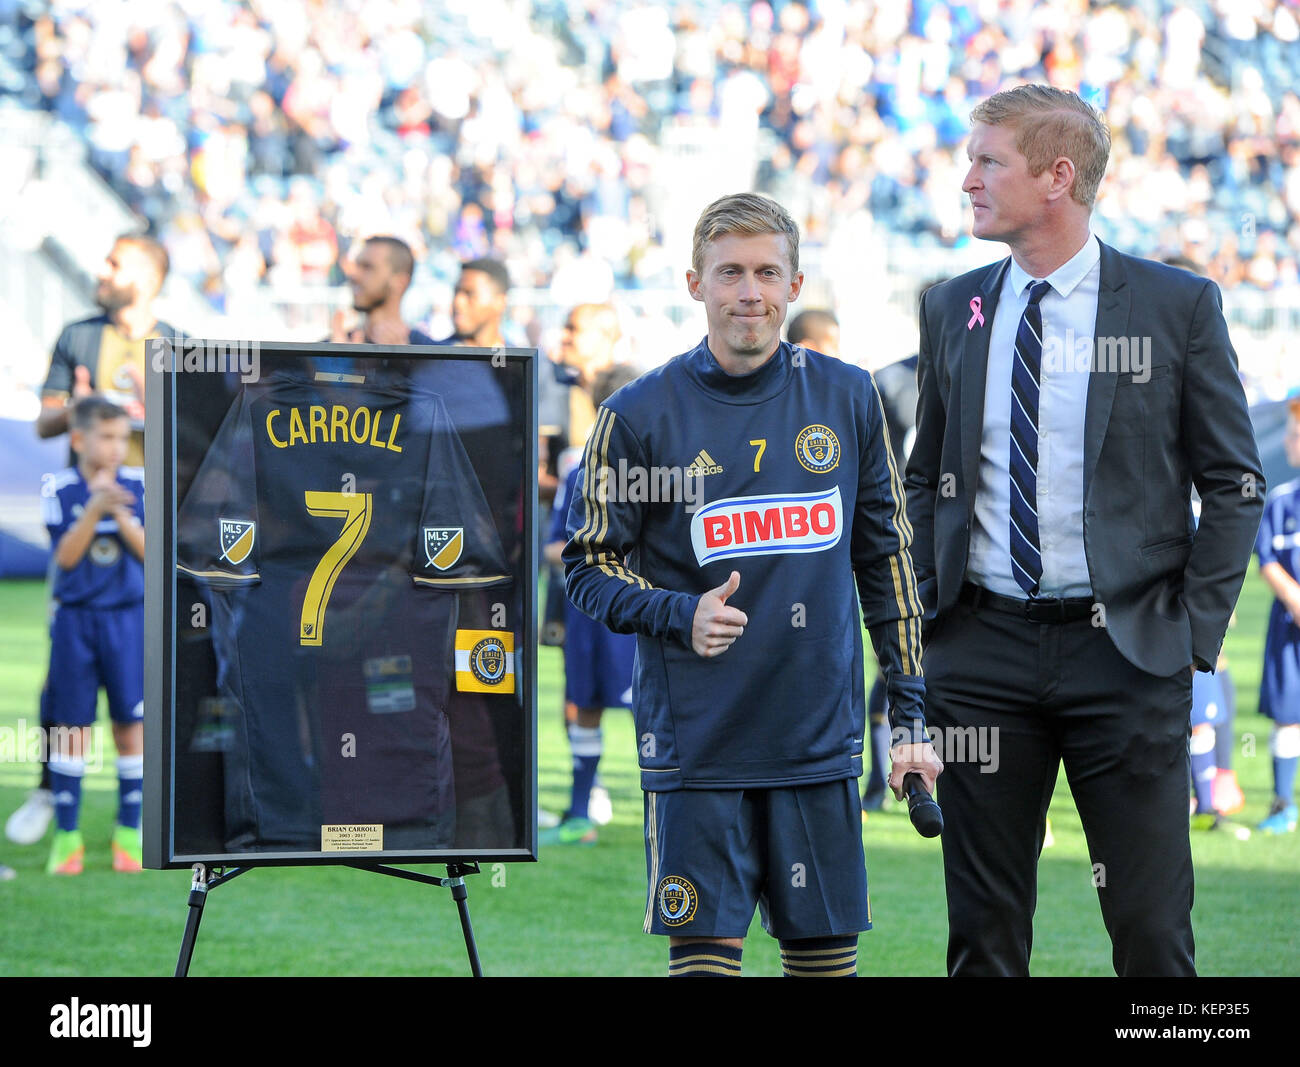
1026 560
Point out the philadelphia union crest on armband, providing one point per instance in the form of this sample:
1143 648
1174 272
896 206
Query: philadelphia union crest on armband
817 448
677 900
485 661
442 545
236 540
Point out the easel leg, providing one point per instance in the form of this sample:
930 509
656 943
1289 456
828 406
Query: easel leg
198 896
460 894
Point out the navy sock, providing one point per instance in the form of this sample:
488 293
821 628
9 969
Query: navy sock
703 959
130 790
65 779
587 743
820 957
1284 777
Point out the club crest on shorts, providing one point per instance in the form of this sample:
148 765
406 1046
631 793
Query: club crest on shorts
236 540
677 900
817 448
442 545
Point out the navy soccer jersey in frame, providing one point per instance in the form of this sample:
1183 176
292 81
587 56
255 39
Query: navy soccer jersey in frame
334 524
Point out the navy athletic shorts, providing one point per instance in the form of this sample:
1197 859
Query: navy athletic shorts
90 647
795 852
597 663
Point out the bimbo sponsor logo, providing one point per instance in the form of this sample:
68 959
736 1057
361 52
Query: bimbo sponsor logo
767 525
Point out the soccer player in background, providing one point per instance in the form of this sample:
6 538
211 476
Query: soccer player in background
95 514
597 662
105 353
102 354
1278 547
817 329
478 305
379 277
749 698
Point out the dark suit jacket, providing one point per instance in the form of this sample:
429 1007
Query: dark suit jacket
1167 587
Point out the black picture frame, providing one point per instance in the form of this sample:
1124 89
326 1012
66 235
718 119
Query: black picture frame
191 384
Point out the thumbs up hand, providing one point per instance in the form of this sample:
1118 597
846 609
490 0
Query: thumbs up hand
717 626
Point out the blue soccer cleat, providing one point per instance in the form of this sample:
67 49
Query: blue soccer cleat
1281 818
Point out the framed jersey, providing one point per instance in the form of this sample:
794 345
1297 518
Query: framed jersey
340 604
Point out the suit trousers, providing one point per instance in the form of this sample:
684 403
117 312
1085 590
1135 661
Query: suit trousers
1040 694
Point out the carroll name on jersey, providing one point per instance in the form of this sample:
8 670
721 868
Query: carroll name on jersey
336 424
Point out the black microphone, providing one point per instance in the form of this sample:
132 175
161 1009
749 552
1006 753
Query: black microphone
921 808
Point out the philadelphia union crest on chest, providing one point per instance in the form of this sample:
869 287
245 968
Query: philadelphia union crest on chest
817 448
104 551
677 900
236 540
442 545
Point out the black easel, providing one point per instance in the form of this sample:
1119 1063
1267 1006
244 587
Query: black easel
206 878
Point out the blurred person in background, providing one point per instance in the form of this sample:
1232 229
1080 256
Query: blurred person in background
1278 548
379 278
817 329
103 354
478 305
597 662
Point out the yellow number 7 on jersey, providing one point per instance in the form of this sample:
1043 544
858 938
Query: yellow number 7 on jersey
354 510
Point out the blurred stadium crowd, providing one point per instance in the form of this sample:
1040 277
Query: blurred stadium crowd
262 139
258 138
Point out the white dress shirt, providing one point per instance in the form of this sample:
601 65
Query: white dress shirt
1069 316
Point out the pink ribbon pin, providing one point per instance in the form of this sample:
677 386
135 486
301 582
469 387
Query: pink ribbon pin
975 304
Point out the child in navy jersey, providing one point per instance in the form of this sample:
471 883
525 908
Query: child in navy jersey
1278 548
95 514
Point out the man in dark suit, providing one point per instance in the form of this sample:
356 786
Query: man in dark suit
1070 398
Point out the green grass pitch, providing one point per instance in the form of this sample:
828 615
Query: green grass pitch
578 911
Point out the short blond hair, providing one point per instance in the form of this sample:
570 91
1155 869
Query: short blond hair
748 214
1051 123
